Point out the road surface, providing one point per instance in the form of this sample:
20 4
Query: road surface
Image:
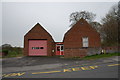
102 68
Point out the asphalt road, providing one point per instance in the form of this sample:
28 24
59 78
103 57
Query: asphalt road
102 68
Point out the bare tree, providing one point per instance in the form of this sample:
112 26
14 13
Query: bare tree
109 30
119 10
96 26
119 22
76 16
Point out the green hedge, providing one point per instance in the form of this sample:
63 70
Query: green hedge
12 52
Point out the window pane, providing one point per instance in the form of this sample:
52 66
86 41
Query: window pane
61 47
41 47
58 48
85 41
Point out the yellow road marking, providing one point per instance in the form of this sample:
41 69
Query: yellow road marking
113 64
46 72
79 68
64 70
67 70
85 68
3 74
93 67
13 74
20 74
75 69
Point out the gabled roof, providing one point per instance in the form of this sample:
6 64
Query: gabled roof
80 24
81 27
37 28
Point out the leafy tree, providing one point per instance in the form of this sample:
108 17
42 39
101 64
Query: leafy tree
76 16
6 45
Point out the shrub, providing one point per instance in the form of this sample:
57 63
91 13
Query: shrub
12 54
5 52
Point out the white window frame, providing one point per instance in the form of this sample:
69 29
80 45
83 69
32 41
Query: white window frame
85 42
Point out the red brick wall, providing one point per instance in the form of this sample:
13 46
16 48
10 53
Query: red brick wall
73 38
111 49
38 32
75 52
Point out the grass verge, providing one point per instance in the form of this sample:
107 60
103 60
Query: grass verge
97 56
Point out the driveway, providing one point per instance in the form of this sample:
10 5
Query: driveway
33 61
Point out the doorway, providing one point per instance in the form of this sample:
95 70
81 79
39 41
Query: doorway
59 49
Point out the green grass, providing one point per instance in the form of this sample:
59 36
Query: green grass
97 56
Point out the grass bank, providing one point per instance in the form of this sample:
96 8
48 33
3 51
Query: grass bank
97 56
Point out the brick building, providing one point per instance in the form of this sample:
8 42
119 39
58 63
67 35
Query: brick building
81 40
38 42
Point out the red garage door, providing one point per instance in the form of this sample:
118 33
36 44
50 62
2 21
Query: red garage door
37 47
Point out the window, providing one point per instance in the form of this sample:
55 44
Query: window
41 47
62 48
37 47
33 47
58 48
85 41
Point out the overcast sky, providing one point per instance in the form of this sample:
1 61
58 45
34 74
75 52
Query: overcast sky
19 17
